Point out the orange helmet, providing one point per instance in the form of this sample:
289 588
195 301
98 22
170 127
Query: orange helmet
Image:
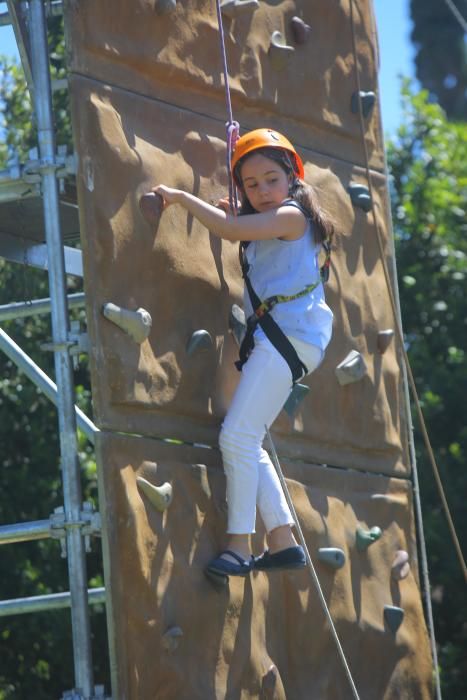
266 138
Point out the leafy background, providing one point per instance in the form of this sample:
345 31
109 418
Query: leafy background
427 161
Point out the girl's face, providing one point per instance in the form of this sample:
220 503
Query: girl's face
265 183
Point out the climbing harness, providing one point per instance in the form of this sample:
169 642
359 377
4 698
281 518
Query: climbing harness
262 312
314 575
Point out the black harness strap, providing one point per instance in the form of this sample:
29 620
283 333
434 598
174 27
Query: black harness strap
272 331
261 312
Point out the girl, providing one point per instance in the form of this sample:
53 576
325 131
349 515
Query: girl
281 229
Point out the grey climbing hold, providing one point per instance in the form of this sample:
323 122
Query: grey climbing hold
400 567
199 472
351 369
151 205
366 537
279 51
384 340
300 30
368 100
163 7
232 8
200 340
393 616
171 639
333 556
237 323
360 196
271 685
159 496
296 396
136 323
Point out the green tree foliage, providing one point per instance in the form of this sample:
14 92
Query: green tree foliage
428 163
36 658
441 58
15 103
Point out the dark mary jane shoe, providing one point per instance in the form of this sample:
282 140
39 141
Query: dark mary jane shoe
290 558
223 567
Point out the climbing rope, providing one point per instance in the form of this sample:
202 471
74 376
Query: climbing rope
457 14
233 127
396 315
413 387
312 569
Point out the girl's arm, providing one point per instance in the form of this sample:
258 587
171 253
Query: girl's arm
287 223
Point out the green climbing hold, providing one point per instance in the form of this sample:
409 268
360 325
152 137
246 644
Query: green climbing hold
393 616
366 537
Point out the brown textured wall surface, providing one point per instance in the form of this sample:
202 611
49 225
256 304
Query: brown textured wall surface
232 637
148 107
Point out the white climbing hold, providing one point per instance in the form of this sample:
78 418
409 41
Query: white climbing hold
136 323
400 566
237 323
232 8
159 496
351 369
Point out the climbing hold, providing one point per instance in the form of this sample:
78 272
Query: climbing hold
333 556
200 340
199 472
151 205
163 7
300 30
159 496
400 566
393 616
171 639
232 8
296 396
366 537
360 196
237 323
368 100
384 340
272 687
136 323
351 369
279 51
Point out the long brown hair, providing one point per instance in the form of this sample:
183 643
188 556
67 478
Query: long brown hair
300 191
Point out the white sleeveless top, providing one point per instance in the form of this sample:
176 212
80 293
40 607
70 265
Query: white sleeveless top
286 267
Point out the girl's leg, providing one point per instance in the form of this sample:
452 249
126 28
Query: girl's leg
280 535
262 391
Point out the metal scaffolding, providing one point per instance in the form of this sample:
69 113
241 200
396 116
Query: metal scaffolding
75 522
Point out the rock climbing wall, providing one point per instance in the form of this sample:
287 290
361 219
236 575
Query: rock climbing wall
148 107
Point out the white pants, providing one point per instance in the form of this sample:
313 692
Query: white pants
265 384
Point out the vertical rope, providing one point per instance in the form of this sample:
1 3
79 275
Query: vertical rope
233 127
399 334
314 575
